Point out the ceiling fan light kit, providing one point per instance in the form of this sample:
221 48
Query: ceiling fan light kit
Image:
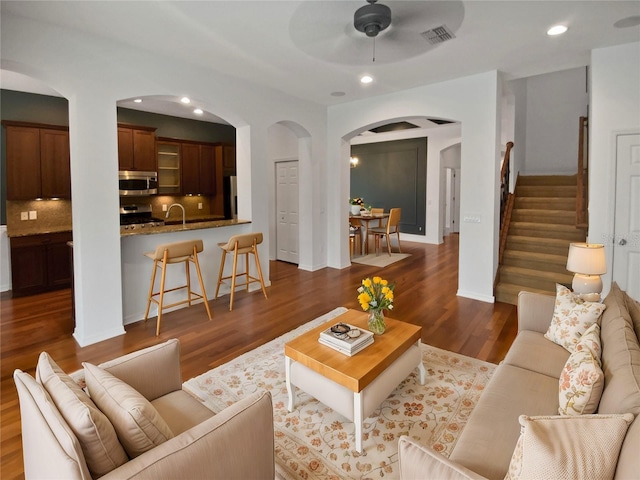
372 19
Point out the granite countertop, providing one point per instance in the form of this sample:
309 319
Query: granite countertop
12 233
181 228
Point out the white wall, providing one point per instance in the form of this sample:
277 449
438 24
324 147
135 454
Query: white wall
93 73
553 104
5 260
615 108
475 102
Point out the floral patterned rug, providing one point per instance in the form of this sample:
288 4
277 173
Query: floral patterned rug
314 442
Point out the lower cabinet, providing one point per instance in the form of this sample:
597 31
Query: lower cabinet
40 263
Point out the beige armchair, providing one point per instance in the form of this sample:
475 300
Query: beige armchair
65 435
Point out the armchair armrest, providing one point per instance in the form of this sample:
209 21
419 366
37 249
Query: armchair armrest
535 311
417 461
153 371
237 443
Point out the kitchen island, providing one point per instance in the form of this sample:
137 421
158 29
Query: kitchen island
136 268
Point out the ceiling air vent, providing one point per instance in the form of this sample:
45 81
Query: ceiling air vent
438 35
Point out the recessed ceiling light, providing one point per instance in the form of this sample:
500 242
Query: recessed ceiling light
185 100
198 111
338 94
137 100
366 79
557 30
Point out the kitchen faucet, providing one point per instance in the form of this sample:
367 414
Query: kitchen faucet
176 205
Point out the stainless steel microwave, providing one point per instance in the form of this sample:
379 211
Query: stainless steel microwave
137 183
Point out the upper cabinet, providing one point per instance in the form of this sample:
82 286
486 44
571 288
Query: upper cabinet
228 153
169 153
198 169
137 148
37 159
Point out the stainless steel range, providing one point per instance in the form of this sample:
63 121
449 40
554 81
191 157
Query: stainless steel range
133 217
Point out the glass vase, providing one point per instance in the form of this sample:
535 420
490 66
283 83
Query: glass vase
376 322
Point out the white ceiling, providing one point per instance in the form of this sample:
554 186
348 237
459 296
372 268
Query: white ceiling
310 49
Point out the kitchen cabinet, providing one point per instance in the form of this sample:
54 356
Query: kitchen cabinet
228 155
198 168
137 148
37 161
169 155
40 263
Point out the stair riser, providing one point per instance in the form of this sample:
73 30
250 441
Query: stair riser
555 217
574 236
536 265
569 180
538 247
543 191
545 203
534 282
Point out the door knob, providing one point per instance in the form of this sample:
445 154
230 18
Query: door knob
622 242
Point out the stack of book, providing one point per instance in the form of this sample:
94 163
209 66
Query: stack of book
344 343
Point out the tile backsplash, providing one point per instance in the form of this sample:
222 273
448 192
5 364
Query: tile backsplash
51 216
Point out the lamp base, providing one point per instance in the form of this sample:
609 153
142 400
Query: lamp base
587 285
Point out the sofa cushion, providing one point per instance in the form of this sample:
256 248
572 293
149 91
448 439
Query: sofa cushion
136 421
633 306
100 446
531 351
486 444
581 384
572 316
181 411
585 447
620 357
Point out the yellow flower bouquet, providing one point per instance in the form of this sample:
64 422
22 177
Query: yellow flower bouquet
376 295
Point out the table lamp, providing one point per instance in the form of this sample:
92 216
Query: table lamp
587 261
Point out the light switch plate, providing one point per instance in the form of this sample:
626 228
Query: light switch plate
24 215
33 215
199 206
472 218
164 207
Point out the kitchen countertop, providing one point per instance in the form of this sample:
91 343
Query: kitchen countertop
181 228
11 233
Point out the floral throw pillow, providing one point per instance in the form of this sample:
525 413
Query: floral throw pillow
581 384
590 341
572 316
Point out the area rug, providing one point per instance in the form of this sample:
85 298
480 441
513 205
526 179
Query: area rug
381 260
314 442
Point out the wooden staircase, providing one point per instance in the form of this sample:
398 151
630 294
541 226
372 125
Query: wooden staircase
543 224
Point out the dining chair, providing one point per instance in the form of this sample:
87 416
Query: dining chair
385 232
378 211
355 236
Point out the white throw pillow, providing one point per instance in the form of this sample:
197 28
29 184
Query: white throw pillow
100 446
581 384
138 424
585 447
572 316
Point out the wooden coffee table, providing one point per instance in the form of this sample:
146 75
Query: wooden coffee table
353 386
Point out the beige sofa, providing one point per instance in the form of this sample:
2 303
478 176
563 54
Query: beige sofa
527 382
156 431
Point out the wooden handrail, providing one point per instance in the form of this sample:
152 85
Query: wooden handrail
582 178
504 181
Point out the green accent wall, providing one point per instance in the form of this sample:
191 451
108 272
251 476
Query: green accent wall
29 107
391 175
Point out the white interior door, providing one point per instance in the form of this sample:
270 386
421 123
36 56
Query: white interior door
287 231
626 250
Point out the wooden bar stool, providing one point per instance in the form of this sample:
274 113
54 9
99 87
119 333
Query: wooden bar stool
241 244
167 254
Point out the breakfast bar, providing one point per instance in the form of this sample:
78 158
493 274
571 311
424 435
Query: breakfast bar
136 268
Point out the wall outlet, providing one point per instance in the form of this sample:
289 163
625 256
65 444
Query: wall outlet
33 215
199 206
164 207
24 215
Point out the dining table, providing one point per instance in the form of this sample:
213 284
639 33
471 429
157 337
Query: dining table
365 220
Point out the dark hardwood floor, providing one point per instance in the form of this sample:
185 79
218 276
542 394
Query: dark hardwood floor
425 294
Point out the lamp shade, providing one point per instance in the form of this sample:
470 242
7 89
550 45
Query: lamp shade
587 259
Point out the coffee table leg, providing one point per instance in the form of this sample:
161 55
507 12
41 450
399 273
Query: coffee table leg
357 418
421 369
291 390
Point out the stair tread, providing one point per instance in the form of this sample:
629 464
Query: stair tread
515 289
543 226
539 240
547 180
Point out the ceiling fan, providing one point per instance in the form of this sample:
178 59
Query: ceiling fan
333 30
